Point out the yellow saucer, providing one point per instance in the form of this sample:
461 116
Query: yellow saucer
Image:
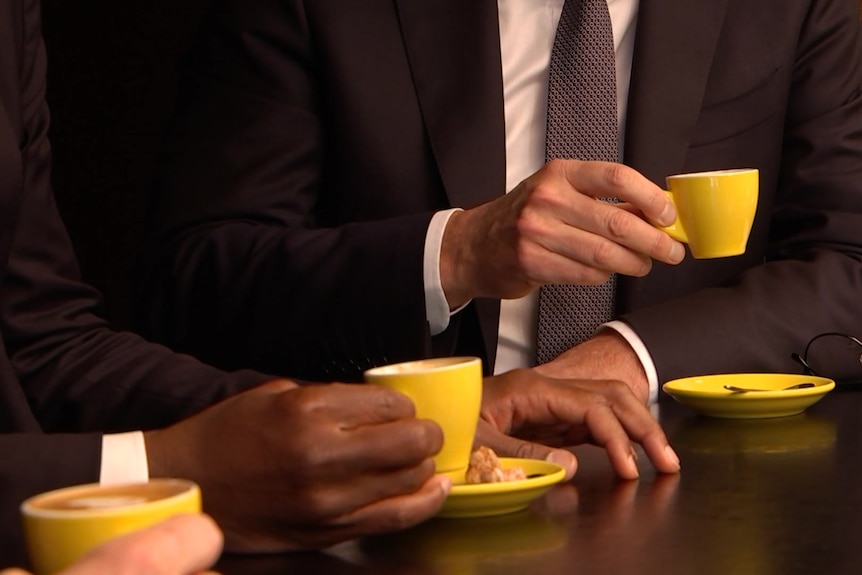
707 394
486 499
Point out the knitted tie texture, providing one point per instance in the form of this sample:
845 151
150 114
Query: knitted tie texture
582 124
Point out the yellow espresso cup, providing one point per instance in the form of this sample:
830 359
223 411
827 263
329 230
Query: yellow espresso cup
715 210
447 391
62 525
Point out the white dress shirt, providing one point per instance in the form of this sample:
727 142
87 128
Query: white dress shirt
527 29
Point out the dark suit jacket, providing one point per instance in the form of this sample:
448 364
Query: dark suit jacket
64 376
315 138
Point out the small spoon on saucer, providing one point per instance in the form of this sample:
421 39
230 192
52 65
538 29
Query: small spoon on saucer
796 386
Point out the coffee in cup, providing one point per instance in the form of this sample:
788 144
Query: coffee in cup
447 391
62 525
715 210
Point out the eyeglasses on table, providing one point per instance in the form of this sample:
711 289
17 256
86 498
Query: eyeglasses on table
837 356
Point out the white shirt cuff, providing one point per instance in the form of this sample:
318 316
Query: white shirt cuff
640 349
124 458
436 307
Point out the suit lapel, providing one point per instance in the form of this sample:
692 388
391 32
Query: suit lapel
674 48
453 48
454 52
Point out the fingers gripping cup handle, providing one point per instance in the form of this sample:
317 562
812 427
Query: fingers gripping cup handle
675 230
715 210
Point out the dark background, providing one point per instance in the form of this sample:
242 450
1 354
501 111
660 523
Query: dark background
112 73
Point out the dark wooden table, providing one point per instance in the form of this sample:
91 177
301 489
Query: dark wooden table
761 497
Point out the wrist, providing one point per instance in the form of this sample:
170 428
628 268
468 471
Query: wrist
607 356
169 455
156 460
626 361
454 261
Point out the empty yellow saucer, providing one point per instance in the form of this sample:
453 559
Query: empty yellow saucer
707 394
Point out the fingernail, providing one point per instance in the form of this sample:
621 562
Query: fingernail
445 484
677 252
634 454
672 455
553 457
668 215
565 460
633 465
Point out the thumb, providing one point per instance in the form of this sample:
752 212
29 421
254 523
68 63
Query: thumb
182 544
508 446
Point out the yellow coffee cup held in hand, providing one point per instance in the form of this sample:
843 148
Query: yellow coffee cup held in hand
715 210
62 525
447 391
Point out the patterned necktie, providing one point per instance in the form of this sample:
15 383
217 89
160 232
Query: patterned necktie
582 124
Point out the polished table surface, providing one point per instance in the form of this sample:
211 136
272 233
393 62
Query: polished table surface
772 496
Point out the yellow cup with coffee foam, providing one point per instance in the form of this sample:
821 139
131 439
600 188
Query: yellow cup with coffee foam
62 525
445 390
715 210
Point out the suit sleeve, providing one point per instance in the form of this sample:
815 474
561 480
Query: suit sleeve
65 377
811 279
259 261
78 374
